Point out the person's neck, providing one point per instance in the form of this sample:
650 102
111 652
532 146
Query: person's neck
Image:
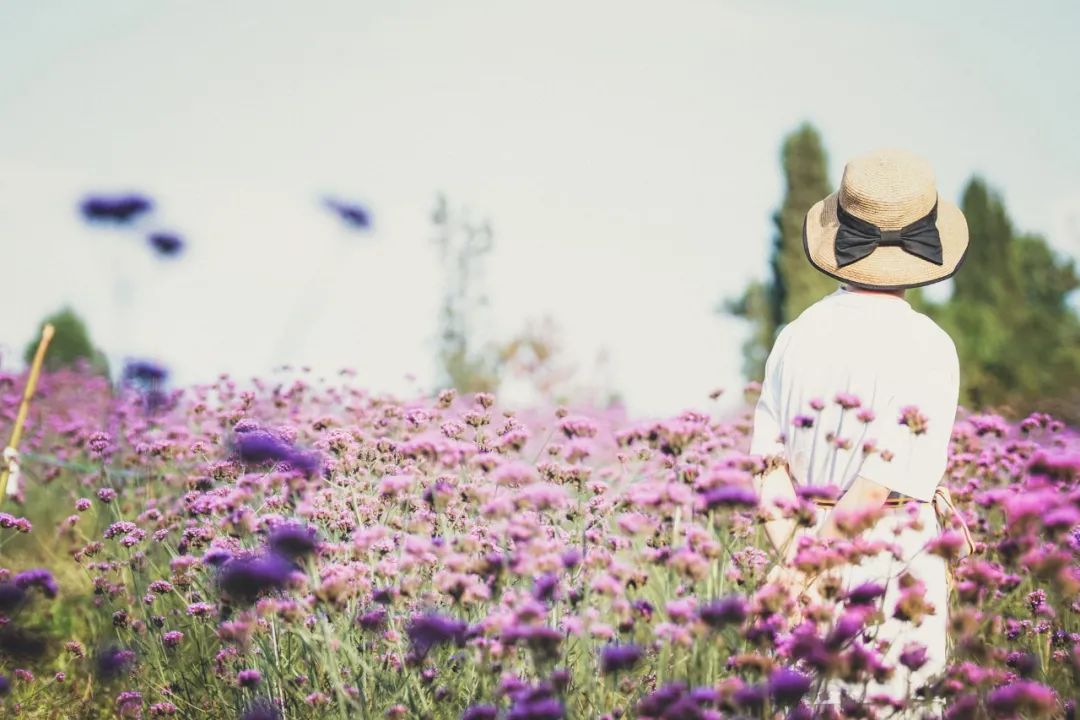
902 293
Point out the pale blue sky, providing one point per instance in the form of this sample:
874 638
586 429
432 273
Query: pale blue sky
626 153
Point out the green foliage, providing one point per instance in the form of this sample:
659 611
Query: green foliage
793 284
1018 339
70 344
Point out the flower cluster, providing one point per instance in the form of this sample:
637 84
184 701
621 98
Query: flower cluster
308 550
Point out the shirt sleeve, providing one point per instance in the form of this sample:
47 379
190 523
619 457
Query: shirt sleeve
767 438
914 424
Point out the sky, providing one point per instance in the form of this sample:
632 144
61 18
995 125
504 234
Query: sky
626 154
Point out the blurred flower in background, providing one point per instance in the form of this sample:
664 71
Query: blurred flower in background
354 215
121 209
166 244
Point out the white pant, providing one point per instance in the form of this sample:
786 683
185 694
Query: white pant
886 569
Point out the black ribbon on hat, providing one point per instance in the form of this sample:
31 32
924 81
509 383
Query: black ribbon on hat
857 238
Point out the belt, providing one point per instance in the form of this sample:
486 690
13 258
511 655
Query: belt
895 499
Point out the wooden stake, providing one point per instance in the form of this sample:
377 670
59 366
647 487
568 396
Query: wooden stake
11 461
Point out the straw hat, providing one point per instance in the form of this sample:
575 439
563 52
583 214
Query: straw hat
886 228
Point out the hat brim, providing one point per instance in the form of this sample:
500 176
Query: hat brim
890 267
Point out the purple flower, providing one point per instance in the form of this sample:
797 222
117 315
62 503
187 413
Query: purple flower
248 678
848 401
544 587
259 446
548 708
480 712
245 579
788 686
293 541
541 639
39 578
1024 663
355 216
11 597
865 594
128 697
571 558
165 244
846 628
685 708
5 685
173 638
616 658
751 696
813 492
120 209
216 557
21 644
1021 696
656 703
704 696
306 463
145 371
256 447
428 631
733 496
373 620
113 661
913 656
260 710
731 610
803 421
20 524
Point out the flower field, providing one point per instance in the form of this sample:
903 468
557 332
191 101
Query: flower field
310 549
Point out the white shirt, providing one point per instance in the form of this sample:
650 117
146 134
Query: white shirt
876 347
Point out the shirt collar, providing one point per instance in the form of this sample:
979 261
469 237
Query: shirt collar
856 296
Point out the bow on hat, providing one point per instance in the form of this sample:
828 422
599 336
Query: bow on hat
857 238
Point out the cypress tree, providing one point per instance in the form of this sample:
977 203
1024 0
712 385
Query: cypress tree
798 283
793 284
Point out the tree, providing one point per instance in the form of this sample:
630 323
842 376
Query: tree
70 344
1017 337
793 284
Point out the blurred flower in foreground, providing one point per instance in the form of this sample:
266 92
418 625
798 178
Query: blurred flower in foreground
144 371
615 658
120 209
788 686
11 597
113 661
166 244
354 215
245 579
428 631
293 541
257 446
21 645
261 710
39 578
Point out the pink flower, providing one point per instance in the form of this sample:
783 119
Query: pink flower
393 486
913 419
